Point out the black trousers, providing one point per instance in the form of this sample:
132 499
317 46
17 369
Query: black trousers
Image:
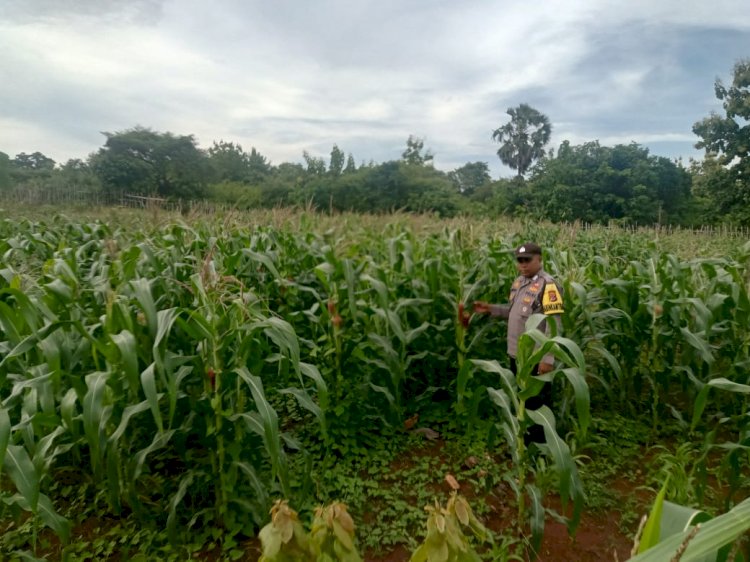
535 433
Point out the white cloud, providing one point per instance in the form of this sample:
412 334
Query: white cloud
289 76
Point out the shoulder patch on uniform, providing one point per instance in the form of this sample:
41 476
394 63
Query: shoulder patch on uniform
552 302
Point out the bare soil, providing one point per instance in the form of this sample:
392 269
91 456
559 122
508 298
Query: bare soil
598 537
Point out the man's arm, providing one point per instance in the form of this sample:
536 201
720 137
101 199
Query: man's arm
500 310
494 310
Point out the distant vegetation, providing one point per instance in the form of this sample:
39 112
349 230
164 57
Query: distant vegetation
587 182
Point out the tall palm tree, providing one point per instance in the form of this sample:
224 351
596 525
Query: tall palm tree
523 139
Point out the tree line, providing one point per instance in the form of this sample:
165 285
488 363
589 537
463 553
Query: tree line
587 182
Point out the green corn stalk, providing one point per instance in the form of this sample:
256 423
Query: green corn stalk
516 418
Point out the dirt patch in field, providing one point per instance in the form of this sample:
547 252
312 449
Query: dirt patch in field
599 535
597 538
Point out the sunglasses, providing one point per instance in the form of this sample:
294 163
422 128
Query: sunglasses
523 260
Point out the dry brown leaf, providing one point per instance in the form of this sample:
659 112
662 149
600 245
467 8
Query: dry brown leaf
427 433
411 422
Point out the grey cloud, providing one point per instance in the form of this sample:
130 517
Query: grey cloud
137 11
289 76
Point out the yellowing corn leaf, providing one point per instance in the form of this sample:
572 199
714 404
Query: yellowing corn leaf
440 523
270 539
286 530
440 554
462 511
346 521
343 537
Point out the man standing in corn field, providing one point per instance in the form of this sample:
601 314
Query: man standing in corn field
533 291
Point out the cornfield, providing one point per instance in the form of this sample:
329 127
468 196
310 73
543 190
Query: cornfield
172 368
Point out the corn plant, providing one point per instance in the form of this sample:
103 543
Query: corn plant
711 539
516 419
284 539
445 539
331 536
172 367
109 369
737 453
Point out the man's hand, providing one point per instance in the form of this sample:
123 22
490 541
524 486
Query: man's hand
545 368
481 307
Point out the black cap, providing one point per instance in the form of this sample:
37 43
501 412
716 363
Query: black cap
528 250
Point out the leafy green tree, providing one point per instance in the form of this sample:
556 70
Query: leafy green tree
728 137
413 154
336 166
712 183
523 138
595 183
315 166
148 162
245 179
229 163
258 167
505 196
36 161
351 167
429 193
77 175
470 177
5 181
383 188
31 170
283 186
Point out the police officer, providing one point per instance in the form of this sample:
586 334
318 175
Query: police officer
533 291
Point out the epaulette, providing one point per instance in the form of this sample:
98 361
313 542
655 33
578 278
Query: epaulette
547 277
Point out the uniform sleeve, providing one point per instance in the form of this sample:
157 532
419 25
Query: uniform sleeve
500 310
552 300
552 305
503 310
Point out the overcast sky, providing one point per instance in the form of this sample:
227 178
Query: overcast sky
285 76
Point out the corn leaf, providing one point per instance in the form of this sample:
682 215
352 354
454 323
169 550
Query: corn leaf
95 416
24 475
125 342
148 383
537 517
652 530
712 536
185 483
4 433
569 484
